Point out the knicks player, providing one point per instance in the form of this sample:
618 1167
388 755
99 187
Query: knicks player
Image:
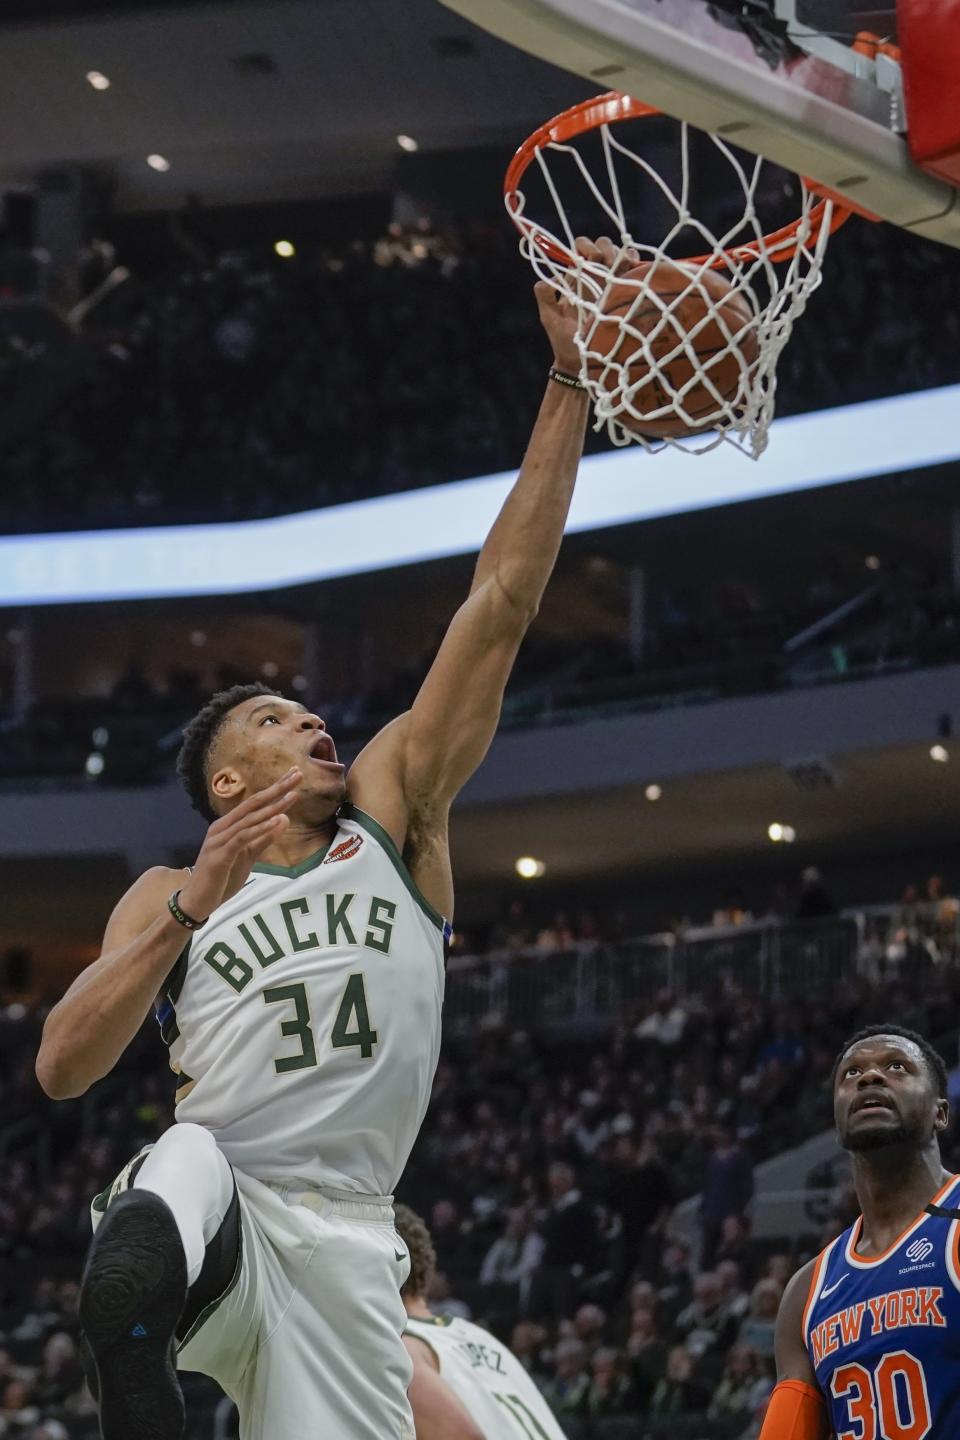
299 964
868 1336
466 1385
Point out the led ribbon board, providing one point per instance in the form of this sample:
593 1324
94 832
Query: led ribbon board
829 447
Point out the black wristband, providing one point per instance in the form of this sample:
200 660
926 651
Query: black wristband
572 382
181 916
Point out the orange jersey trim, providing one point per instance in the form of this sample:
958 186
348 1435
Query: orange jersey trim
815 1282
796 1412
878 1259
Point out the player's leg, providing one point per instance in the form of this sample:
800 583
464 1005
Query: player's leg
165 1249
333 1362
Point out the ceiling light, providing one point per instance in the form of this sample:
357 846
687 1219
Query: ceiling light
158 162
407 142
98 81
285 249
270 668
198 638
781 834
789 834
940 753
653 792
528 868
94 764
101 737
299 683
775 831
873 562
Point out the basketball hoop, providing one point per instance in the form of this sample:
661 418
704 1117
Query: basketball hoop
772 275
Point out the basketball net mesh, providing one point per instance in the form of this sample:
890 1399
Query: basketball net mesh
776 294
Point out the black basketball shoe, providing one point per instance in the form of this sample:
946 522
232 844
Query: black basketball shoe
134 1289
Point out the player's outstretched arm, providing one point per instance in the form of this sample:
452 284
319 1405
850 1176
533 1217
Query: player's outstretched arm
797 1410
87 1032
411 772
438 1414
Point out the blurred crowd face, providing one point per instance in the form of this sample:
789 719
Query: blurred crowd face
605 1368
707 1291
679 1365
560 1180
569 1358
642 1330
765 1300
643 1296
729 1276
741 1362
589 1321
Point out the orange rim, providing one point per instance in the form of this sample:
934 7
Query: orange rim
609 108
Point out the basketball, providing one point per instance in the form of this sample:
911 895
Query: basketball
717 317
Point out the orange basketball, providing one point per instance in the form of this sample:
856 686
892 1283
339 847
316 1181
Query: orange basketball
717 353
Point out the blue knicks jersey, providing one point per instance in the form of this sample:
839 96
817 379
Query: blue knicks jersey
883 1333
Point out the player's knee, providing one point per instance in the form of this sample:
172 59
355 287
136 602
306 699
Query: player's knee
191 1149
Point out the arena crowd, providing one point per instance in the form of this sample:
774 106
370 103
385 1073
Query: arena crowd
246 386
550 1169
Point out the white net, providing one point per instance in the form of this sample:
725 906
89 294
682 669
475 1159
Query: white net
676 353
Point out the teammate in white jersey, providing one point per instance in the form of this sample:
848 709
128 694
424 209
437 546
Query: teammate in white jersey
466 1384
255 1240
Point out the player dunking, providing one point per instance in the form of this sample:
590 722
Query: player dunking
299 965
868 1336
466 1384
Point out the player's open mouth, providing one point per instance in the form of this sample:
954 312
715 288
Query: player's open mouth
324 750
871 1102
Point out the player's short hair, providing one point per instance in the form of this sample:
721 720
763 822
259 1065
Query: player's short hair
423 1258
936 1069
198 738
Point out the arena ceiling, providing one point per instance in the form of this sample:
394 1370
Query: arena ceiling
252 101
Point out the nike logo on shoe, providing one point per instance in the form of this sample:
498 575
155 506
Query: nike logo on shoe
829 1289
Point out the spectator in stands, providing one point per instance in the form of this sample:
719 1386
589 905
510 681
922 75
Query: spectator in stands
705 1325
60 1374
567 1388
442 1302
666 1022
637 1187
589 1324
570 1242
610 1391
735 1244
727 1189
757 1328
646 1355
526 1341
733 1297
447 1235
744 1386
677 1393
513 1258
784 1044
815 901
556 937
674 1278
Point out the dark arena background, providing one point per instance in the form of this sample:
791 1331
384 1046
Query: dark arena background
254 264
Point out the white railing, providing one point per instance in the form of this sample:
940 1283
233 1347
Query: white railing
590 984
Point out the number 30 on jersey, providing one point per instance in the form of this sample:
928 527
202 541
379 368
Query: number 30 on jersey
890 1404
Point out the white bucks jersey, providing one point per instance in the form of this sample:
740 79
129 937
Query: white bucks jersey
304 1017
487 1379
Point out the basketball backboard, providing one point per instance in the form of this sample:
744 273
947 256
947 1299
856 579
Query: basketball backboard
776 77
